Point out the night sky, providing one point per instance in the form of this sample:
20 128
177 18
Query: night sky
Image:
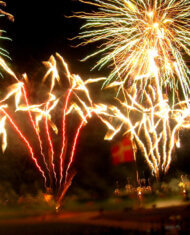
41 28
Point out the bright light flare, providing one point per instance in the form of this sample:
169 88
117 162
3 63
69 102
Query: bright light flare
54 168
146 44
140 40
4 133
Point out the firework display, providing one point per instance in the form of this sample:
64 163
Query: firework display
153 125
146 45
54 166
3 52
141 40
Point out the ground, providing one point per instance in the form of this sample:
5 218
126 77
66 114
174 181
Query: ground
164 220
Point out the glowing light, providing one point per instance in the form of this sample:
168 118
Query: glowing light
34 126
73 149
145 43
48 197
26 142
128 30
4 53
154 125
50 143
63 134
54 168
4 133
150 14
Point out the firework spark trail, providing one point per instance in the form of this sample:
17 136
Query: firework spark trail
132 128
155 122
7 69
74 148
96 110
3 52
54 75
183 121
64 134
10 17
63 192
34 127
50 143
27 144
52 71
152 136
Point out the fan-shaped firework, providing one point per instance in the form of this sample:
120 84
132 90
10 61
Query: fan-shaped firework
53 165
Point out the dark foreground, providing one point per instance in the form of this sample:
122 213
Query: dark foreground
171 220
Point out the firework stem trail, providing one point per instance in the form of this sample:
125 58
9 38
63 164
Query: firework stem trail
64 134
50 143
65 188
74 148
27 144
35 128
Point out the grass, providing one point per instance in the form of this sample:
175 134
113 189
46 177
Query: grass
19 211
38 206
123 203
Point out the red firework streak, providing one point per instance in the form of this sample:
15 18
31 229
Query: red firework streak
50 166
63 134
50 143
27 144
34 126
68 180
74 148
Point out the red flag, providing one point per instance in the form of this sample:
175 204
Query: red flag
122 151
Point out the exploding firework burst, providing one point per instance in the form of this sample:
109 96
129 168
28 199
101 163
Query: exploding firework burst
141 40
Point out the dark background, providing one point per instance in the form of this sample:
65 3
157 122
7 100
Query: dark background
41 28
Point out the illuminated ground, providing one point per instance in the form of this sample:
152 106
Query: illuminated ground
168 220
